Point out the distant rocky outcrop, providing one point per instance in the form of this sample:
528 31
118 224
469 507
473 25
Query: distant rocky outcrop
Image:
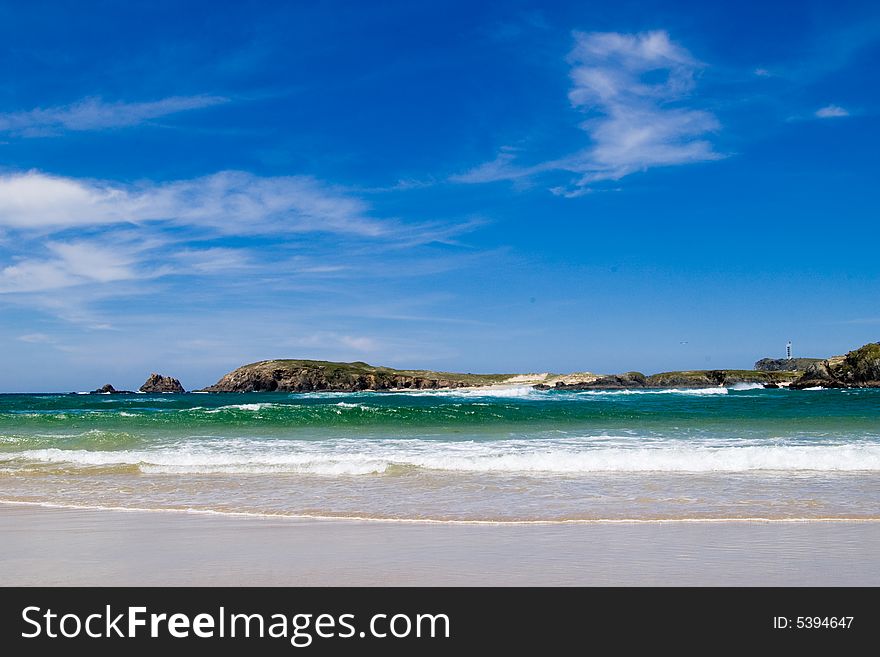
710 378
859 368
603 382
680 379
784 364
108 389
156 383
313 375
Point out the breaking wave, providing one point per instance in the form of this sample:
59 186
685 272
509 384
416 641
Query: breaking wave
699 392
351 457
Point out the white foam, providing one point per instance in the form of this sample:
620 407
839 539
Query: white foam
747 386
240 407
512 391
182 461
361 407
814 388
326 394
660 391
361 457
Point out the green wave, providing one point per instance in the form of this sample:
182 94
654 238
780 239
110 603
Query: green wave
111 422
94 439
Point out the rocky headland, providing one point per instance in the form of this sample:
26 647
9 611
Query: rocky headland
315 375
859 368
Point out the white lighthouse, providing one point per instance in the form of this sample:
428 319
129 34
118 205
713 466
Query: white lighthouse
788 351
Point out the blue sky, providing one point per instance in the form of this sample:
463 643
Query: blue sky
510 186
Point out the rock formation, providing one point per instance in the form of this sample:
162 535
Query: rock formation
859 368
709 378
604 382
682 379
157 383
108 389
784 364
310 375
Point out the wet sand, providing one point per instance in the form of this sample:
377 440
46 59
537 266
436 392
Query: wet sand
49 546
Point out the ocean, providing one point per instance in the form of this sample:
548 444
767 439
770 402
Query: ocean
510 454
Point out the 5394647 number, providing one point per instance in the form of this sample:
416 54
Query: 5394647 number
813 622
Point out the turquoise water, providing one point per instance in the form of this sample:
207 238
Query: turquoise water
507 454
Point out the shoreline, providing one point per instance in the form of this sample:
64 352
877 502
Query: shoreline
437 521
68 547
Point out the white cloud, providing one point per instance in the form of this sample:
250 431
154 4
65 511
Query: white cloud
762 72
503 167
232 203
66 232
94 261
831 112
359 342
633 88
331 340
213 260
71 263
36 338
97 114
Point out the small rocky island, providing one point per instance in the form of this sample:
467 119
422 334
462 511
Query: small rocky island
108 389
158 383
155 383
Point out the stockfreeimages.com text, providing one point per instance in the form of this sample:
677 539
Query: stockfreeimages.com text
300 629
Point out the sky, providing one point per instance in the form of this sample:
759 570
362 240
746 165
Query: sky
487 187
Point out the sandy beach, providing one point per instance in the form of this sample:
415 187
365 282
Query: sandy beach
52 546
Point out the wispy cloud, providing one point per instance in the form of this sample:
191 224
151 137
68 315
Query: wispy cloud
66 232
333 340
36 338
634 90
213 260
359 342
859 320
232 203
97 114
831 112
64 264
